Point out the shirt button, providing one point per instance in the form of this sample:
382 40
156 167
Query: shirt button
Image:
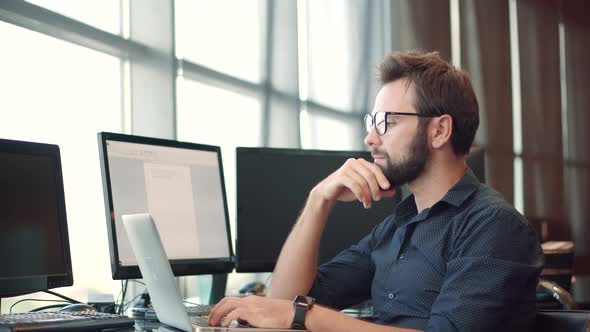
402 256
391 296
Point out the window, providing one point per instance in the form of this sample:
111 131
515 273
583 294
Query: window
60 93
333 53
330 133
222 35
104 14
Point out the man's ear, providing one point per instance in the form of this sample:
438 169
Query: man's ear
442 129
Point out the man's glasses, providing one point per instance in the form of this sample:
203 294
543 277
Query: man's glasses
379 120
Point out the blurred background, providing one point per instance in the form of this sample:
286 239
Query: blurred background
295 74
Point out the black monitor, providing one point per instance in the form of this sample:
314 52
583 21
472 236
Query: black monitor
272 187
181 185
34 245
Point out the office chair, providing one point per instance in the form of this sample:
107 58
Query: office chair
558 293
567 320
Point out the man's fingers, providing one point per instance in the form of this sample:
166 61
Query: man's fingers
356 179
370 177
230 317
388 193
358 186
381 179
220 310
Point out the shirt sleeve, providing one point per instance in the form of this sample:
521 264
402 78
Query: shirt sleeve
492 274
346 279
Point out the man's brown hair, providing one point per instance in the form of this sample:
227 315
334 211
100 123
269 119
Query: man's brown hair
440 89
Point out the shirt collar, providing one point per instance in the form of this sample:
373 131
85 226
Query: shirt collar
466 186
462 189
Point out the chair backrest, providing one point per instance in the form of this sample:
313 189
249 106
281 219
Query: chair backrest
562 320
563 297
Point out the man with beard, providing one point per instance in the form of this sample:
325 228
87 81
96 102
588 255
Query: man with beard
454 256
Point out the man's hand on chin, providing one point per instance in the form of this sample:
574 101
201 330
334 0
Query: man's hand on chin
255 310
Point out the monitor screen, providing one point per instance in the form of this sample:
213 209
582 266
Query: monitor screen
181 185
34 247
272 187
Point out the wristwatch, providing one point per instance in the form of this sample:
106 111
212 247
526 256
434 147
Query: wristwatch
302 304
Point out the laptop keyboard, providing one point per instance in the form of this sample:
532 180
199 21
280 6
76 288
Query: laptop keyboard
193 310
202 322
199 321
199 310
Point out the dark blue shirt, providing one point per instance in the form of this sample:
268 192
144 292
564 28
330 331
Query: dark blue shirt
471 262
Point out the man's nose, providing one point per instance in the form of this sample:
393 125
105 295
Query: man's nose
372 138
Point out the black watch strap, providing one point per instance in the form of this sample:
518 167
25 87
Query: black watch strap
302 304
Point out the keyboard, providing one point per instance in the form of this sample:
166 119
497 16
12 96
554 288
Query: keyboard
202 321
193 310
62 321
199 321
199 310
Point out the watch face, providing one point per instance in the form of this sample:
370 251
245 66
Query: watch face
310 300
305 300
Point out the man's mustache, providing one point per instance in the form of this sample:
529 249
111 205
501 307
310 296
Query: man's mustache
377 152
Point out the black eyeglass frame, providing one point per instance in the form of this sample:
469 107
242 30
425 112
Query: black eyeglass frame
373 124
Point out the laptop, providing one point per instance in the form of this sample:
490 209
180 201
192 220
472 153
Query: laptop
159 280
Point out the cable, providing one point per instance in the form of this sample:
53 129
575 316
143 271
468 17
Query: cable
61 296
118 297
120 304
117 311
24 300
124 288
132 300
120 308
50 307
128 304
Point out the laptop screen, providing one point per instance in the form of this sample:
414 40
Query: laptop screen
181 186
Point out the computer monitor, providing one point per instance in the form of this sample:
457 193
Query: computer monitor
181 185
272 187
34 245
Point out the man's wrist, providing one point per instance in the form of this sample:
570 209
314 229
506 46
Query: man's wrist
317 201
309 316
301 306
290 315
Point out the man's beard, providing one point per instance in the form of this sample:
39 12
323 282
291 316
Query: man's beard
410 167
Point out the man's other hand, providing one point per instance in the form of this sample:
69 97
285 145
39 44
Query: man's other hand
255 310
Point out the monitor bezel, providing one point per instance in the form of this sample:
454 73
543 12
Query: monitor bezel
184 267
18 286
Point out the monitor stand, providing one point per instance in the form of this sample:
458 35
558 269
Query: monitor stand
142 307
218 286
